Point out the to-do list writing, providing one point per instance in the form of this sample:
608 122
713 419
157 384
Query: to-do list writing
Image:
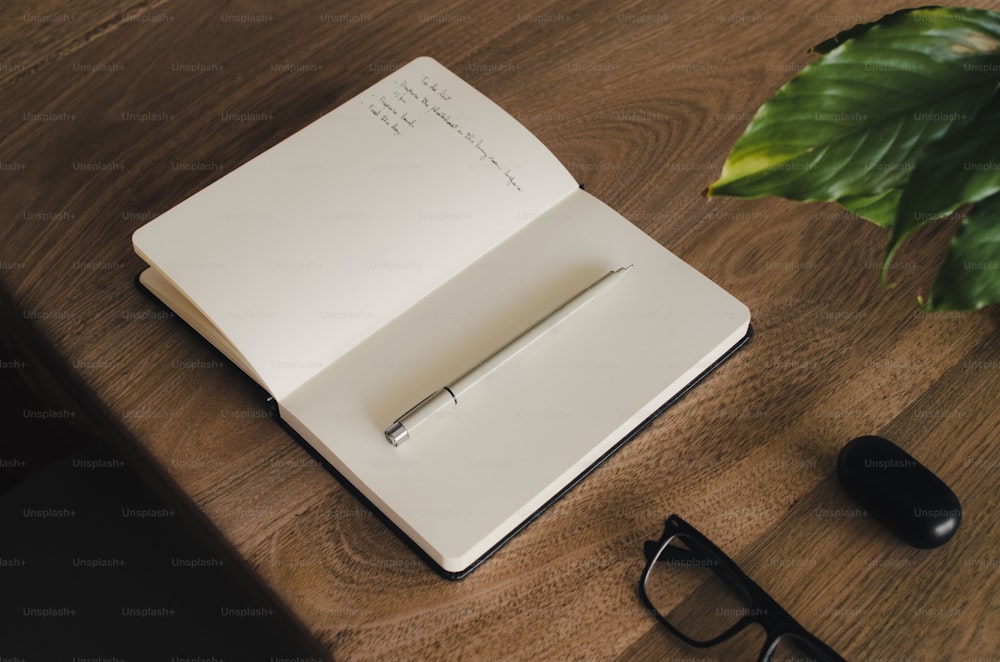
413 102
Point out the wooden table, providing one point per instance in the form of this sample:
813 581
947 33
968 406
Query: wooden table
113 116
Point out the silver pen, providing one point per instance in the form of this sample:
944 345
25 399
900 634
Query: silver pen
447 396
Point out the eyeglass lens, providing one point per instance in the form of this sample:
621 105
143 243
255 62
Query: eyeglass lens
789 648
697 594
686 586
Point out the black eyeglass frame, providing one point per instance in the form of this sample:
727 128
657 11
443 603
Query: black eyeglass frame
764 610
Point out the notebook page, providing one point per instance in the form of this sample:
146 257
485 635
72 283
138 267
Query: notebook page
476 471
306 250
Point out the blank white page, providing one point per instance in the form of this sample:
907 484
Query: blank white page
474 473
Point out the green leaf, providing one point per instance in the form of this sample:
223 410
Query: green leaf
962 167
880 209
969 279
842 36
854 122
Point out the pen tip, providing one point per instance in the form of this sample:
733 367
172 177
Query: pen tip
396 434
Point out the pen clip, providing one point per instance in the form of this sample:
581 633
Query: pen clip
397 433
421 403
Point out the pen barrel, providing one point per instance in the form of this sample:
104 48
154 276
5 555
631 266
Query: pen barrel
536 332
448 396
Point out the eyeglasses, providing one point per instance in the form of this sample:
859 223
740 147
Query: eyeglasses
704 598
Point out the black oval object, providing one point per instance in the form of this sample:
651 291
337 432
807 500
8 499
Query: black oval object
899 491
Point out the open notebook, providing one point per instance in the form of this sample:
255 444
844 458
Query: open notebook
382 250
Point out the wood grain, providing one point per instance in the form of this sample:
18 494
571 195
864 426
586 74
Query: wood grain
112 121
